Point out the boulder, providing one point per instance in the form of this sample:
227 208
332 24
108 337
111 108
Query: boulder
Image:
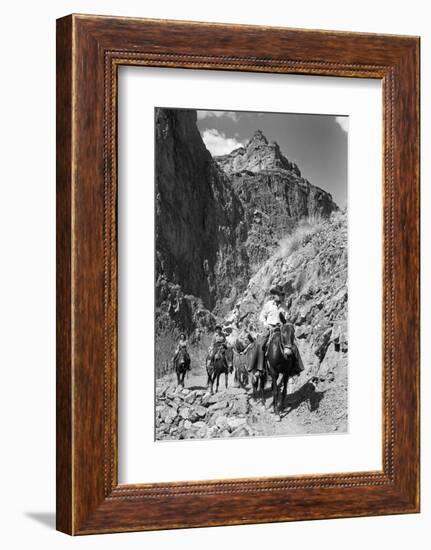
167 414
200 424
211 399
234 423
240 432
222 422
240 406
184 412
191 397
212 431
219 405
198 412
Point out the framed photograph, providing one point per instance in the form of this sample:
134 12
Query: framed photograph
237 274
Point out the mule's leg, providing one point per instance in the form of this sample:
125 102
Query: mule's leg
183 378
274 393
178 377
218 381
283 398
225 378
262 381
236 378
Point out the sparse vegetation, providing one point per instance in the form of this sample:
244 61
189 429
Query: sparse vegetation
165 348
300 236
300 281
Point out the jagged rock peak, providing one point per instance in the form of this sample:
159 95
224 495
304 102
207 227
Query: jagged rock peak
258 154
257 138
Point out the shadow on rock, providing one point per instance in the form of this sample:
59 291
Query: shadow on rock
305 394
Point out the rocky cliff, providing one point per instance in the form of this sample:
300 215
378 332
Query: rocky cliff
273 194
199 226
199 218
218 220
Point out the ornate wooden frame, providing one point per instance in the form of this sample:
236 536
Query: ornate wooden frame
89 51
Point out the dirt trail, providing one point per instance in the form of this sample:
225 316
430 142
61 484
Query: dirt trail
317 406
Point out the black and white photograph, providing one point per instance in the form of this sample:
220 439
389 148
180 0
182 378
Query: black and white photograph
215 275
251 258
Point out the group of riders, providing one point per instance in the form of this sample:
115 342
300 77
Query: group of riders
273 315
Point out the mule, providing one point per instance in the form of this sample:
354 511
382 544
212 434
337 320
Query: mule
258 377
222 364
240 368
181 364
258 383
281 359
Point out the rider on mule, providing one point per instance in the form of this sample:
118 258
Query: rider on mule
218 341
182 344
273 314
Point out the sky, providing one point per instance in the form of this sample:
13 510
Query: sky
317 143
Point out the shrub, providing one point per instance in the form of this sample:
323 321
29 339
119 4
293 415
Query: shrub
300 236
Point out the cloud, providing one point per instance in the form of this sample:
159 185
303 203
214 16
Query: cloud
218 114
343 122
218 143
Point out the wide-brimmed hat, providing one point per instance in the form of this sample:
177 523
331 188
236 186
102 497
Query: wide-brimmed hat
277 290
218 327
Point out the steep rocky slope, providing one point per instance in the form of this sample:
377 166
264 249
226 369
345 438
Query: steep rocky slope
311 266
